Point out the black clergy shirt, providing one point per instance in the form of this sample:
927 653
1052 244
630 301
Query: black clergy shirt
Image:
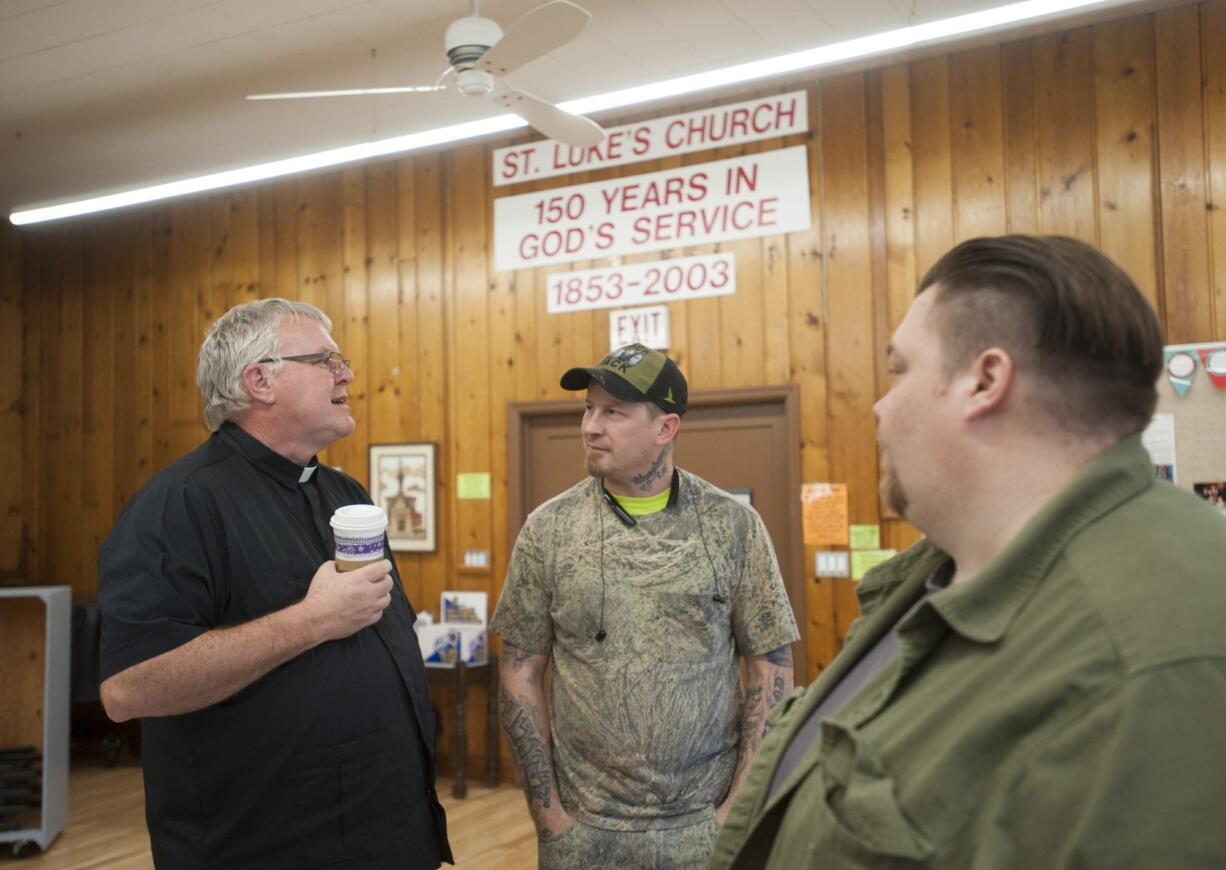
326 761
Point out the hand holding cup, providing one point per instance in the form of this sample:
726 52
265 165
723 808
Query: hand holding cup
339 604
350 593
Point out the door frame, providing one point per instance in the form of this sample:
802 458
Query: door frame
521 414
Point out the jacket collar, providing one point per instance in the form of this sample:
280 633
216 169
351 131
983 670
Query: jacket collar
983 609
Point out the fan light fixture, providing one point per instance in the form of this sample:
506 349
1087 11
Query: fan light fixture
893 40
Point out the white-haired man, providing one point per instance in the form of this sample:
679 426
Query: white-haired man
285 716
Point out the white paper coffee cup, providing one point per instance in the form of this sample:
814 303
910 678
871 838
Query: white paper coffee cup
358 530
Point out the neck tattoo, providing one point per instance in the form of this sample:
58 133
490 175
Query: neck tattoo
645 480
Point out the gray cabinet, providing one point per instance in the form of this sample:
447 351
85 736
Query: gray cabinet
35 624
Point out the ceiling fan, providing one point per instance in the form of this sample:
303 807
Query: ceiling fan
480 55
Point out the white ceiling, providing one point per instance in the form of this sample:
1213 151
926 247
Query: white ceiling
102 95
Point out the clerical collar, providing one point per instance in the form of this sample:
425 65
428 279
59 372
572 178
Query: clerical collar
263 457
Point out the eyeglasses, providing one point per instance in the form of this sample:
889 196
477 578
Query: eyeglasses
331 358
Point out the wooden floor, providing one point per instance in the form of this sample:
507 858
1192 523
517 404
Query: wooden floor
106 826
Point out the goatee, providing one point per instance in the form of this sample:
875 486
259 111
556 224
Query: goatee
892 492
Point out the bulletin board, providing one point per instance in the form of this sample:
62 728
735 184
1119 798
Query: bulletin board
1196 420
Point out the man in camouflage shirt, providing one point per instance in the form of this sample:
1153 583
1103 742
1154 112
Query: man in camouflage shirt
643 585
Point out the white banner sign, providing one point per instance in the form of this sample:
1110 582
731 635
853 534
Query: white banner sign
718 127
737 198
643 283
647 326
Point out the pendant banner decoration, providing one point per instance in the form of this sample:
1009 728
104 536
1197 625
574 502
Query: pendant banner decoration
1214 361
1180 370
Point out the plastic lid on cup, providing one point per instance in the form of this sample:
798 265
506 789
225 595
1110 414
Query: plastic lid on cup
359 518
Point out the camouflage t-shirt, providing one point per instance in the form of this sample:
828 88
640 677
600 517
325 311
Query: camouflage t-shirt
645 723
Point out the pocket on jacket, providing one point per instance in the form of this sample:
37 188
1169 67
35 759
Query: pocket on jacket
861 798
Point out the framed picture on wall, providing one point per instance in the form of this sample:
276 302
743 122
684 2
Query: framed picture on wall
402 482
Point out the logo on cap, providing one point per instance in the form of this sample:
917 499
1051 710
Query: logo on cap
625 358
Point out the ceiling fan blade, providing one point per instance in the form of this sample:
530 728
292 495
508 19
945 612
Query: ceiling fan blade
353 92
549 119
537 33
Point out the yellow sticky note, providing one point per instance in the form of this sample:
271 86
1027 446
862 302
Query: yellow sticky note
865 537
864 560
473 484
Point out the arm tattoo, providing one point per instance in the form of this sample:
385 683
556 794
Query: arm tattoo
777 691
780 657
644 481
753 712
521 724
514 656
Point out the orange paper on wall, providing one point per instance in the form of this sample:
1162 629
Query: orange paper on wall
824 510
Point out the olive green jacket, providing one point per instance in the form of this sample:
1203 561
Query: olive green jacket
1064 709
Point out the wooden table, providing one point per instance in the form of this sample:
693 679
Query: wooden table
458 681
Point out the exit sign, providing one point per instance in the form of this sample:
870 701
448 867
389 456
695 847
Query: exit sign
647 326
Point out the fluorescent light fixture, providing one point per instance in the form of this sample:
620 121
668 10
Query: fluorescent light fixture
275 169
893 40
824 55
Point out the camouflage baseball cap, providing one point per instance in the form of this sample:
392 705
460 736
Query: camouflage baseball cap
635 373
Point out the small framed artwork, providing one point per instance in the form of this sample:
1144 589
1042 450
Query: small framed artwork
402 482
1214 493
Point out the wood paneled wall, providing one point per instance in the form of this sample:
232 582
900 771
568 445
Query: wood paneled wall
1115 133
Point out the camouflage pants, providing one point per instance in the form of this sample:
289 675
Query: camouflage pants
584 847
